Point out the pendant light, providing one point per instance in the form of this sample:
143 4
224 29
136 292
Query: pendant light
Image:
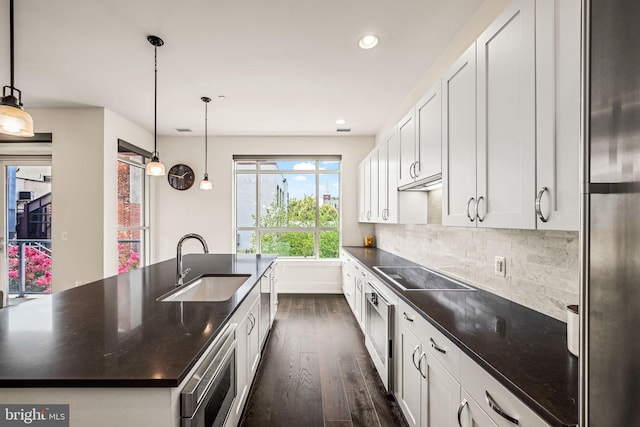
205 184
155 167
13 119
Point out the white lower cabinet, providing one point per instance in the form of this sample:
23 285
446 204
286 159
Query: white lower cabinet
354 278
360 278
408 380
247 351
428 394
437 385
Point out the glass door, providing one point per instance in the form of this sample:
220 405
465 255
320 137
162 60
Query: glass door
25 235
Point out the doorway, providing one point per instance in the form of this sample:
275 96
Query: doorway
25 235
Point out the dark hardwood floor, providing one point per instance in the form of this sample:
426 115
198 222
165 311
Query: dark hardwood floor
315 371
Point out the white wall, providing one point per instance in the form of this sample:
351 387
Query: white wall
76 190
84 189
210 212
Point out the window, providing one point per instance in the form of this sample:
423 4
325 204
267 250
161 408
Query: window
288 206
133 229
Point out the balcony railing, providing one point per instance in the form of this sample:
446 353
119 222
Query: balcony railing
29 266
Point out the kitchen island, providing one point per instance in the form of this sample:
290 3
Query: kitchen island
113 340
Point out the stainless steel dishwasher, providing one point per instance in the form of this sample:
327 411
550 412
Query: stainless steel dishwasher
379 332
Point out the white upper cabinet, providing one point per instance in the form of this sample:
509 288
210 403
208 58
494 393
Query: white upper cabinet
361 201
407 149
388 178
523 134
368 215
374 191
429 133
506 127
558 114
459 141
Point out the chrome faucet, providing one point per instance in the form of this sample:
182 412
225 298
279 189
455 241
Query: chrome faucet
179 272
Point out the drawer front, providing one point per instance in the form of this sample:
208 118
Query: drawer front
494 399
360 272
439 347
470 414
442 349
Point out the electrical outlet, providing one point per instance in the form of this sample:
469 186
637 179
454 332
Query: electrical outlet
500 266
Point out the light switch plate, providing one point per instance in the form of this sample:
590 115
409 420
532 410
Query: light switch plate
500 265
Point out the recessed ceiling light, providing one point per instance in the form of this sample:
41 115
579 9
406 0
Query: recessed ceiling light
369 41
341 121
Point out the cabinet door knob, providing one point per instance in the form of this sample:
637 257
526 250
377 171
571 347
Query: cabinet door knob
469 204
538 208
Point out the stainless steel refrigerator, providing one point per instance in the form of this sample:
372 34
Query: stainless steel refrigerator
610 301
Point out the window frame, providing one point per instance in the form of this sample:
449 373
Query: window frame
258 229
124 146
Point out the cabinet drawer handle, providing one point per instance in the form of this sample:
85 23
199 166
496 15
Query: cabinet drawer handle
406 317
436 347
423 355
468 204
460 409
538 208
253 323
413 356
477 205
493 405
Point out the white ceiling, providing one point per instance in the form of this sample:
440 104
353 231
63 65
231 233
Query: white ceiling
286 67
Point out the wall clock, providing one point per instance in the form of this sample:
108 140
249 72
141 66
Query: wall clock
181 177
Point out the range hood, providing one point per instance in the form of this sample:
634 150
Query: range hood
429 183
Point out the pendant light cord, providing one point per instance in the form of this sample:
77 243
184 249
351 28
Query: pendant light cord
155 100
206 156
11 48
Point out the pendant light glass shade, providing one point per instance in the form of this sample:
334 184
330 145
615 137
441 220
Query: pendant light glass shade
205 184
13 119
155 167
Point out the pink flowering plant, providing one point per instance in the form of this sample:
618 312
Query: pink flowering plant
128 259
37 270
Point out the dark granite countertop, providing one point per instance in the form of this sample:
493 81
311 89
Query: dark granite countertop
113 332
524 350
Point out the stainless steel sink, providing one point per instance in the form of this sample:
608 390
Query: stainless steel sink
416 278
207 288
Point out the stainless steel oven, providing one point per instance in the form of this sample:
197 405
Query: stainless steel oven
208 396
379 332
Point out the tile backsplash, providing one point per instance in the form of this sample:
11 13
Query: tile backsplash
542 267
